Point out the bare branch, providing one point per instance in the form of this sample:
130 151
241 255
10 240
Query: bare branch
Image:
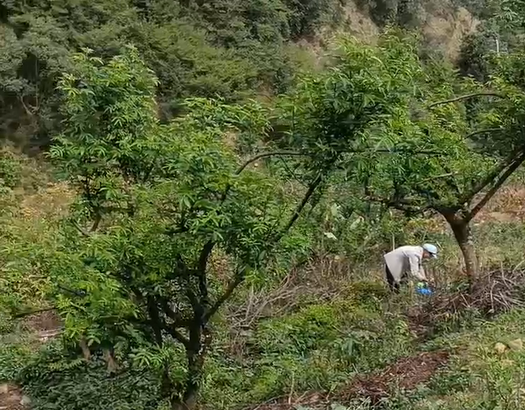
466 97
25 106
178 336
311 189
94 226
485 131
82 231
32 312
235 282
266 155
79 293
96 223
497 185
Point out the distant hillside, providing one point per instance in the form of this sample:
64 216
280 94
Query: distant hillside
231 49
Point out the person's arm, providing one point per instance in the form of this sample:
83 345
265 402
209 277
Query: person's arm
416 269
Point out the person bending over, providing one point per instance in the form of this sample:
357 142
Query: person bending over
407 260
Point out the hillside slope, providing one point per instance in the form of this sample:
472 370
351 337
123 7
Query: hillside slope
230 49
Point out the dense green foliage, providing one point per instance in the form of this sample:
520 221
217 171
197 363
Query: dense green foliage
199 248
224 48
160 200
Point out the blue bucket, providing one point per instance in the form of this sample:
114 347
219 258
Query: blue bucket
424 291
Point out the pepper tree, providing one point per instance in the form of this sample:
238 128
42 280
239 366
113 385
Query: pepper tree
478 129
130 270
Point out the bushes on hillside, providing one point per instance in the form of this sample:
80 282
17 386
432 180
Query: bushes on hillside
222 48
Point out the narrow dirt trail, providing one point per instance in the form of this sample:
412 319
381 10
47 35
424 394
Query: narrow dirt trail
406 373
11 398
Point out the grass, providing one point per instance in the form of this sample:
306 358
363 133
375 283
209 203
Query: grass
330 323
17 349
479 376
319 347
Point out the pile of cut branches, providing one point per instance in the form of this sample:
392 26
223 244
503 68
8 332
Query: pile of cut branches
493 293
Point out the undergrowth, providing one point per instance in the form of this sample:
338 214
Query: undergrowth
328 321
319 347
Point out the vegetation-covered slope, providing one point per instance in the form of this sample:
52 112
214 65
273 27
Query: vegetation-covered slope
196 248
229 49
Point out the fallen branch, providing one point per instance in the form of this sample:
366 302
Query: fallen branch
466 97
32 312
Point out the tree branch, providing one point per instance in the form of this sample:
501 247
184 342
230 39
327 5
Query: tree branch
155 321
178 336
201 272
235 282
82 231
79 293
353 151
466 97
311 189
26 108
159 324
239 276
32 312
266 155
96 223
399 204
486 181
488 130
198 308
178 321
497 185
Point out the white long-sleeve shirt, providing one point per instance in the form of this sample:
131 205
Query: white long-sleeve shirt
406 259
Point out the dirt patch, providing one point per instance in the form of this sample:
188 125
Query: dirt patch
11 397
419 327
360 24
308 400
445 29
406 374
507 206
43 322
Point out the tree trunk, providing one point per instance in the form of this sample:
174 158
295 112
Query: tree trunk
109 357
200 340
86 352
463 234
191 389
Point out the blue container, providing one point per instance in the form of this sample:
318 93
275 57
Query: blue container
424 291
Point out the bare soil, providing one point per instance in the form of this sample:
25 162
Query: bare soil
45 326
43 322
406 374
10 397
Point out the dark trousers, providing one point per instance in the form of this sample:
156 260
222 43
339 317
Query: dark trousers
394 286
